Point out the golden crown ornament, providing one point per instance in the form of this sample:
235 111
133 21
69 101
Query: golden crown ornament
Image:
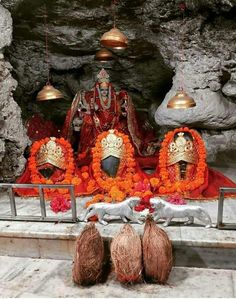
51 153
182 150
112 145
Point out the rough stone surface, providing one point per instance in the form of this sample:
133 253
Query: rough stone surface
218 142
152 67
5 27
199 69
203 57
212 111
229 89
74 31
13 138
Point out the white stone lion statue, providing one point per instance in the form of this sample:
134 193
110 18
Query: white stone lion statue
168 211
123 209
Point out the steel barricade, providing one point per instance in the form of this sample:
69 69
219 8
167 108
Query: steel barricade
220 224
43 217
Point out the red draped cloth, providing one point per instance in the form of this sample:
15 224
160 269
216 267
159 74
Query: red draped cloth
210 189
39 128
119 115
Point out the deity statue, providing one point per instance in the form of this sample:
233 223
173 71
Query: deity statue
183 168
101 109
51 161
112 170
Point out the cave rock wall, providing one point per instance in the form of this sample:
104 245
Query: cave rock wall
202 52
13 139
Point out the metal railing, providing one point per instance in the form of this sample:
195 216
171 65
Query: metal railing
220 223
43 216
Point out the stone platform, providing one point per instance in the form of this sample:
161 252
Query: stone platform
37 278
36 257
194 245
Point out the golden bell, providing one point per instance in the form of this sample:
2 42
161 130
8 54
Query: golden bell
103 55
115 39
181 101
49 93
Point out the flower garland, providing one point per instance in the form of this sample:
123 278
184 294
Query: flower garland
38 178
86 178
168 187
119 187
145 189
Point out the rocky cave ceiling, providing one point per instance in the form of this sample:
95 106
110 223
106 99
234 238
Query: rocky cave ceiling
145 69
150 69
74 31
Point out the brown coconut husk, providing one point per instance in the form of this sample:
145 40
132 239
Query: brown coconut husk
157 253
89 256
126 255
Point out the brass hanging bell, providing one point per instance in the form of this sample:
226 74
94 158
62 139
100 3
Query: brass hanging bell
103 55
181 101
48 92
114 39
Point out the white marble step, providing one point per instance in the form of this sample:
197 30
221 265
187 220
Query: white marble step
193 245
32 278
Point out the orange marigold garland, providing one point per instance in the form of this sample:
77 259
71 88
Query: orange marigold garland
154 183
38 178
119 187
168 187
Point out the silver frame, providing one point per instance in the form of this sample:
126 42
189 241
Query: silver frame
43 217
220 224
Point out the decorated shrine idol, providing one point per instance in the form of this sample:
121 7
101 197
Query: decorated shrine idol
51 161
101 109
183 169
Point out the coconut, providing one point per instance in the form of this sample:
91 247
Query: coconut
126 255
157 253
89 256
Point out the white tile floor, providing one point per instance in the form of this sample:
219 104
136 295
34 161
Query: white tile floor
24 277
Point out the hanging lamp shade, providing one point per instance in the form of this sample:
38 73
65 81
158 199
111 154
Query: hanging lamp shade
48 92
114 39
181 101
103 55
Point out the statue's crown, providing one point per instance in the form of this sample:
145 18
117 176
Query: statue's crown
182 150
112 145
103 76
51 153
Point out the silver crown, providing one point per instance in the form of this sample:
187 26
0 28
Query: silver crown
112 145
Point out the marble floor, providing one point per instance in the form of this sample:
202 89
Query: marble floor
32 278
51 247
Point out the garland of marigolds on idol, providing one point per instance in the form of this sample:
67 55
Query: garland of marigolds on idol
117 188
168 187
38 178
